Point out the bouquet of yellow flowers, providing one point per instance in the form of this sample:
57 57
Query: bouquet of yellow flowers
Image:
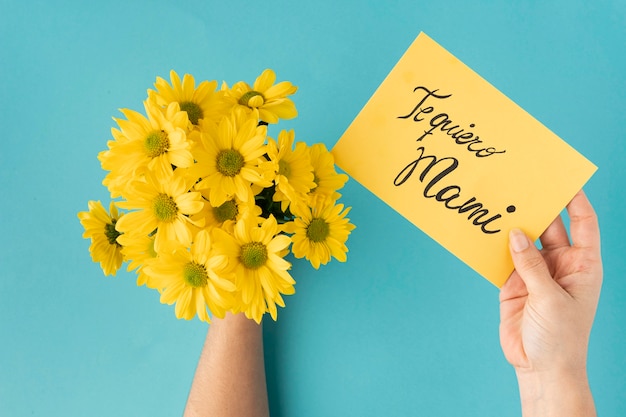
213 204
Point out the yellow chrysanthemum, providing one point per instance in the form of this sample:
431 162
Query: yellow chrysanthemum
228 158
163 204
294 172
139 251
100 228
202 102
255 255
193 279
226 214
320 232
326 179
266 101
154 143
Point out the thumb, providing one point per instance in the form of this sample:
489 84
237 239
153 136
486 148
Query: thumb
529 263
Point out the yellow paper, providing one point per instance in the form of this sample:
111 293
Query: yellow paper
459 159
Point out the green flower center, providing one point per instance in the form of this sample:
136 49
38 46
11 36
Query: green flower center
284 168
318 230
156 143
195 275
194 112
229 162
164 208
253 255
248 95
111 233
227 211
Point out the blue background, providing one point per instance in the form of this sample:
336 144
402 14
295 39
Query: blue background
403 328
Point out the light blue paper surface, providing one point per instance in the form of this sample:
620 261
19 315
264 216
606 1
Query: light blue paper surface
403 328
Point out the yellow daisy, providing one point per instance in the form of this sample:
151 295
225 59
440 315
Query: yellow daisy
153 143
268 102
117 180
326 179
194 280
100 228
202 102
139 251
228 158
294 172
163 205
226 214
255 255
320 232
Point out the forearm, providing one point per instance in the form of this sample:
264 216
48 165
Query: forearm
230 378
555 394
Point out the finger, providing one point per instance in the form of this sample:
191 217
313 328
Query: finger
583 222
555 235
514 287
529 263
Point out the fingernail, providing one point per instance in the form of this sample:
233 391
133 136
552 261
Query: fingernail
518 240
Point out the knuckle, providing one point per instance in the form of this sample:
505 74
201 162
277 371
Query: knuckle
531 263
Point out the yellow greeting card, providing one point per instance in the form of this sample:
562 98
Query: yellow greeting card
459 159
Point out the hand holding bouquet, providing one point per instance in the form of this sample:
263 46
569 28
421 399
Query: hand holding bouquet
213 204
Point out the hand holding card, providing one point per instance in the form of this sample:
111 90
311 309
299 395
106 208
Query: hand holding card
459 159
